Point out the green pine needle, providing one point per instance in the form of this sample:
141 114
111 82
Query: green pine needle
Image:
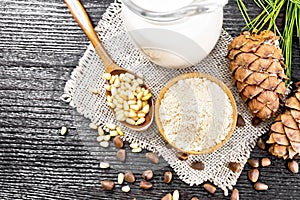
270 9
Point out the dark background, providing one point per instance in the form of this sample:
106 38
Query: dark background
40 45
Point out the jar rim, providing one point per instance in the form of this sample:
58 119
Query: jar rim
195 8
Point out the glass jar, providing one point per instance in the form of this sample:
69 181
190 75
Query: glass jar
174 33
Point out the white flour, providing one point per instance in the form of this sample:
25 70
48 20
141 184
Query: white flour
196 114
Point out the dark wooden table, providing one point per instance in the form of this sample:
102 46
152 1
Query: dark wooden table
40 44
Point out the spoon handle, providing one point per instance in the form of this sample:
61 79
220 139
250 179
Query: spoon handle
81 17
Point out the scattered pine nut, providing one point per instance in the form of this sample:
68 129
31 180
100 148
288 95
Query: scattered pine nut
120 178
293 166
63 130
104 165
260 186
93 126
265 162
100 131
137 150
210 188
125 188
119 131
176 195
134 145
104 144
111 126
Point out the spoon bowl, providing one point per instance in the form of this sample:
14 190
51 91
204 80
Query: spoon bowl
81 17
149 117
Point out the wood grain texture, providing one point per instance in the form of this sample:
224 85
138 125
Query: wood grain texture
40 45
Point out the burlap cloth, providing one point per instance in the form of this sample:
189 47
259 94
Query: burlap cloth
86 77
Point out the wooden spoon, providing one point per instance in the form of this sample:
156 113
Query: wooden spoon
84 22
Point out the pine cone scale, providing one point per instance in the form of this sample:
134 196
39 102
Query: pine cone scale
245 59
288 121
280 139
293 103
255 105
281 89
296 115
256 78
241 74
234 53
296 146
264 113
292 152
250 47
237 43
278 150
297 95
277 127
260 65
270 83
251 91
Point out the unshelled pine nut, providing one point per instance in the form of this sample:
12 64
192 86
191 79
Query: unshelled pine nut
235 167
129 177
293 166
260 186
145 185
265 162
210 188
168 177
107 185
118 142
147 175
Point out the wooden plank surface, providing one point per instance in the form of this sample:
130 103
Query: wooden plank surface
40 45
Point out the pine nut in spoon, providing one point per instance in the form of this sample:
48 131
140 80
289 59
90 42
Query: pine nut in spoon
81 17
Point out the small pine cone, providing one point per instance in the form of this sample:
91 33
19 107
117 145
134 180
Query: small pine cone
257 67
285 131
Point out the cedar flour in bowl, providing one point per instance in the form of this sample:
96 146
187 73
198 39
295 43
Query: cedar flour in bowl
195 113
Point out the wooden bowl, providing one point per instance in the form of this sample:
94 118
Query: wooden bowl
196 75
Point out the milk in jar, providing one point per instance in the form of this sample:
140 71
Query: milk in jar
174 33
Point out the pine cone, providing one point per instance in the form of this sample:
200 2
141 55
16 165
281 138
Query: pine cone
285 131
257 67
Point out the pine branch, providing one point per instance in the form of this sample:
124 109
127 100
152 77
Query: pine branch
268 17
